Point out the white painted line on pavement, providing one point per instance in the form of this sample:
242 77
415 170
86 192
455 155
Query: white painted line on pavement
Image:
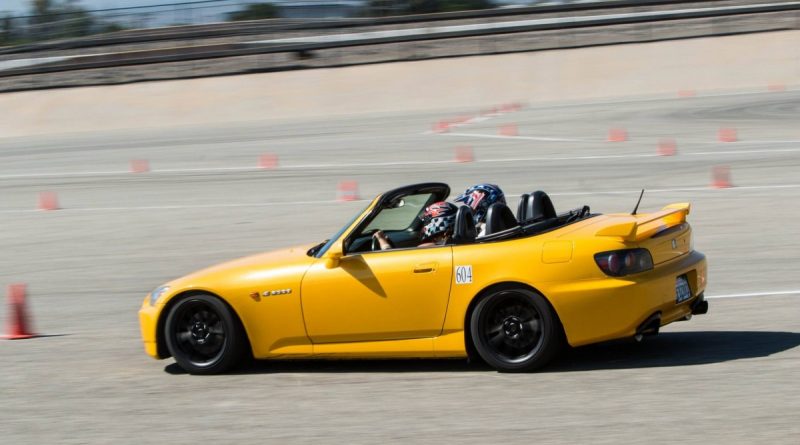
524 138
756 294
388 163
745 142
603 141
736 152
681 189
184 206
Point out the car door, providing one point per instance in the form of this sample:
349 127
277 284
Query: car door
384 295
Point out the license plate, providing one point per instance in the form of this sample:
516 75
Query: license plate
682 290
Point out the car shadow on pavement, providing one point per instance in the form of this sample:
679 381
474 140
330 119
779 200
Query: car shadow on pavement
676 349
666 349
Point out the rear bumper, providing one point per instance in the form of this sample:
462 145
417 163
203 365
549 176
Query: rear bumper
609 308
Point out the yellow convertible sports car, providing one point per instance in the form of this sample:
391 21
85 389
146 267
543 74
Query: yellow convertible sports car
512 296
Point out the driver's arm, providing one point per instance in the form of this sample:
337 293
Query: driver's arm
383 240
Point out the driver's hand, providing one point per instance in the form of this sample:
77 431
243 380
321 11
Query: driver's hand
383 240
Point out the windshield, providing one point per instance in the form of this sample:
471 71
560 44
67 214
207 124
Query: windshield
401 216
338 234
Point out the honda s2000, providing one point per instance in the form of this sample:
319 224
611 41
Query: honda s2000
513 296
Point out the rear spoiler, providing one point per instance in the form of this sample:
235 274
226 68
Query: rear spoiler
640 227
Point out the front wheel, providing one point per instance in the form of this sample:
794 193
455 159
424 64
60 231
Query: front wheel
203 335
515 330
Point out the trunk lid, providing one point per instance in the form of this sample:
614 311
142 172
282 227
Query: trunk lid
665 233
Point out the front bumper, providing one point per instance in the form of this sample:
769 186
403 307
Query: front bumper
148 323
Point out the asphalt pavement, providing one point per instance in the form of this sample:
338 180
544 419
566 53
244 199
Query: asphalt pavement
726 377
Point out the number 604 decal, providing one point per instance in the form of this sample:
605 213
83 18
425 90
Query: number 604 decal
463 274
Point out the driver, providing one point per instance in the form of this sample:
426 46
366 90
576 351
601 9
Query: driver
438 221
479 198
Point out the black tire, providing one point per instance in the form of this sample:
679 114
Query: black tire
515 330
204 336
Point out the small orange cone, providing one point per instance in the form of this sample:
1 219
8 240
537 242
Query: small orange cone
464 154
18 315
727 135
721 177
667 147
776 87
48 201
617 135
441 127
268 161
508 130
347 191
687 93
140 166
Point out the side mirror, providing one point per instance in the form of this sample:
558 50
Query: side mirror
333 257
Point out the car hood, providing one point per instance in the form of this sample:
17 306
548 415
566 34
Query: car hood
263 267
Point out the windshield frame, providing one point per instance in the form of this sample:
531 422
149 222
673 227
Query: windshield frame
341 231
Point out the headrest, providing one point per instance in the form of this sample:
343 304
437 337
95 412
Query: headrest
539 207
522 207
498 218
464 231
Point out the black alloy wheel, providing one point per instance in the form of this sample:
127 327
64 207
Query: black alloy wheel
203 335
515 330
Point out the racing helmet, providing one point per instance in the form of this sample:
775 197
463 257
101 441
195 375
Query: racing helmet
438 218
480 197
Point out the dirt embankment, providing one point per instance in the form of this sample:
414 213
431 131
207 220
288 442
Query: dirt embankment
468 83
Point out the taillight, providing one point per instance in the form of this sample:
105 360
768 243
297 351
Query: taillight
617 263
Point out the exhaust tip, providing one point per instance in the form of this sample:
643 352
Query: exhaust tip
649 327
700 305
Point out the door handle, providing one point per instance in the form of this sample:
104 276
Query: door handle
425 268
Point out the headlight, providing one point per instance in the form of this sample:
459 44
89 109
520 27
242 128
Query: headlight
157 293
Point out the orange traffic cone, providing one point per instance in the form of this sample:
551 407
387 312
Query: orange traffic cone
48 201
721 177
441 127
508 130
268 161
617 135
667 147
18 315
727 135
140 166
464 154
348 191
776 87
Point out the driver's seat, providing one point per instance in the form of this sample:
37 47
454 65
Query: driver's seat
464 231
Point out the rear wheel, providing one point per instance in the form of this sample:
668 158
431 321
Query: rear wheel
515 330
203 335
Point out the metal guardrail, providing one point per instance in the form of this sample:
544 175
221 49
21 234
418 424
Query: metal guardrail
192 32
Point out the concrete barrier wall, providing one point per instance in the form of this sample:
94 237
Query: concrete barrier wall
468 83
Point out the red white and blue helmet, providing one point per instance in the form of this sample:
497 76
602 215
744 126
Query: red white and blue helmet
480 197
438 218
